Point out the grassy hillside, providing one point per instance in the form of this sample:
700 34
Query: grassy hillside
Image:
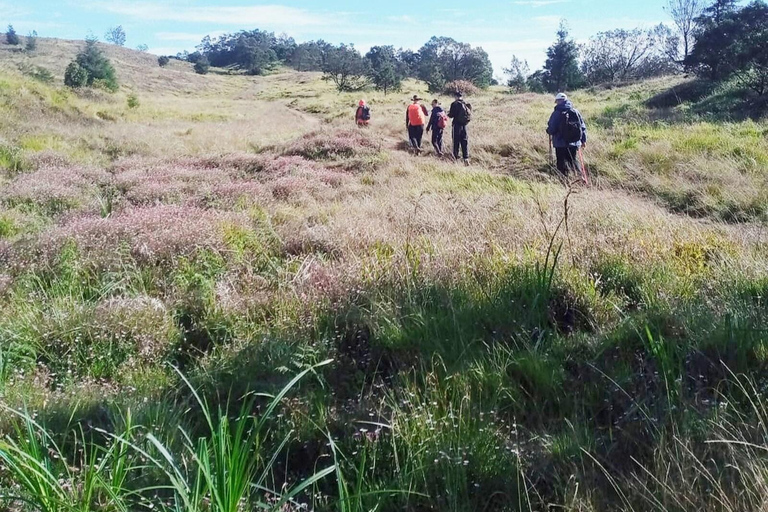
482 338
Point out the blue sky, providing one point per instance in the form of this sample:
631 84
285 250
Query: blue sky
503 27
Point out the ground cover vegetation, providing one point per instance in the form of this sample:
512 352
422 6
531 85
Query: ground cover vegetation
197 314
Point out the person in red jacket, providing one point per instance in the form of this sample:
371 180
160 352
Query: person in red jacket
363 114
415 119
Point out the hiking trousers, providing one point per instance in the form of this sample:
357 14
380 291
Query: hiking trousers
415 134
460 140
437 140
568 160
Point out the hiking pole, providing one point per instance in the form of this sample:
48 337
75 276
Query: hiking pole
551 157
584 172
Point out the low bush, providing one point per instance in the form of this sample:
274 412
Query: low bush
463 86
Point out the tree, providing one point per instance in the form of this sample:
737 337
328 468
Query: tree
518 72
562 67
718 27
11 37
163 61
252 51
31 45
443 60
202 66
115 35
143 48
732 44
620 55
94 66
685 15
75 76
346 68
384 70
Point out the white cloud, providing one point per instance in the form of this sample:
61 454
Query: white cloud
262 15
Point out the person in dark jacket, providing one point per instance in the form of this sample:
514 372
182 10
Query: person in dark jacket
434 125
459 113
567 152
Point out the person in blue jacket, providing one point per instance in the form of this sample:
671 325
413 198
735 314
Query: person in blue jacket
437 130
563 127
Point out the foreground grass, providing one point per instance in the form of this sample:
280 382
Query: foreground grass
464 339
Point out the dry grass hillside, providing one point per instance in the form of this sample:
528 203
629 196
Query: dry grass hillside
480 338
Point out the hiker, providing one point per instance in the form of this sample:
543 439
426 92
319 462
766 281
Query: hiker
438 120
415 118
461 113
363 114
568 133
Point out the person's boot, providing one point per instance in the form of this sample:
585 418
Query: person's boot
466 162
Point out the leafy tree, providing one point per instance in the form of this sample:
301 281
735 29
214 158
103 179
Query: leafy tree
620 55
518 72
284 46
384 71
115 35
75 76
719 30
685 15
31 45
143 48
408 61
91 67
732 44
346 68
562 67
11 37
163 61
443 60
535 82
202 66
309 56
253 51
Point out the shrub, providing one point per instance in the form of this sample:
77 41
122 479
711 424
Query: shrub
133 101
463 86
11 37
202 66
31 45
37 73
163 61
91 68
75 76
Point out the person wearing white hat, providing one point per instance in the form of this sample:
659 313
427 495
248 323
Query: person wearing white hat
568 133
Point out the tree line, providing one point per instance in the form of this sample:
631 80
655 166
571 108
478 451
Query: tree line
720 41
441 60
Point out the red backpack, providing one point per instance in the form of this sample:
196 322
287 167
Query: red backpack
442 120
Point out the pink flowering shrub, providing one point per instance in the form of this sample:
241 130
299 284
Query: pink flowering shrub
332 145
152 235
54 189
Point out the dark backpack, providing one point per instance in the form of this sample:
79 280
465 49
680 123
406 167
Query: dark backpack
464 115
570 126
366 114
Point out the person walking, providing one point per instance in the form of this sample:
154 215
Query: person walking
438 120
568 133
461 113
363 114
415 119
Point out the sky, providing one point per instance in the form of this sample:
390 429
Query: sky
504 28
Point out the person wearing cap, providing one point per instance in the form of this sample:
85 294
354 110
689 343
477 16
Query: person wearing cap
437 127
363 114
567 151
461 113
415 119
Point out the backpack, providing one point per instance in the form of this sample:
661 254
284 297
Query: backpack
442 120
570 127
465 113
366 114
